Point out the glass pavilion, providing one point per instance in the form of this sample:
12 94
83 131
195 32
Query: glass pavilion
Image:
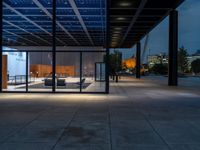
63 45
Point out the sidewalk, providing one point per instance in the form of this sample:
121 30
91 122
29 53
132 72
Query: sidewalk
136 115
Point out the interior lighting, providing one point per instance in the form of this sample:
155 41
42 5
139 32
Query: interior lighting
125 4
118 28
120 18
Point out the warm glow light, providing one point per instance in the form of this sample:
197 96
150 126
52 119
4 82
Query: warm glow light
118 28
116 32
125 4
129 63
115 35
120 18
115 39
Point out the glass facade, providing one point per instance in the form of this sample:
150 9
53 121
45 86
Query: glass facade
52 46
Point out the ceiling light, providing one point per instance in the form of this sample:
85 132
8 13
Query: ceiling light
118 28
120 18
125 4
115 41
115 34
116 31
115 38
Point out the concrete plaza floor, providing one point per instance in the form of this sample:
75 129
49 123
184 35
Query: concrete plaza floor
136 115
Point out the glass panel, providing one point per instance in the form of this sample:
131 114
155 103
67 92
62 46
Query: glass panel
40 71
89 84
100 72
68 71
27 25
189 45
14 70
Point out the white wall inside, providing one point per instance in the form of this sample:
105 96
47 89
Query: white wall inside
16 62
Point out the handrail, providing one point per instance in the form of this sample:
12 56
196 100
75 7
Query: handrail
20 79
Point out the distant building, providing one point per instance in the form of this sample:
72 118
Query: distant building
197 53
162 58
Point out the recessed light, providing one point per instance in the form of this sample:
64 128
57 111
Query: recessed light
115 40
120 18
118 28
125 4
116 31
115 34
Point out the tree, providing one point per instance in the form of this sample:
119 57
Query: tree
182 60
196 66
160 69
115 62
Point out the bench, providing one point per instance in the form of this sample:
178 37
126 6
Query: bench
48 82
61 82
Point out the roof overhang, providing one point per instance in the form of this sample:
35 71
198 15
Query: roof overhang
131 20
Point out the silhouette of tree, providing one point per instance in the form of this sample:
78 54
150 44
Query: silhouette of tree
196 66
182 60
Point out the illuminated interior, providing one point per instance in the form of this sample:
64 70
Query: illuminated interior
56 46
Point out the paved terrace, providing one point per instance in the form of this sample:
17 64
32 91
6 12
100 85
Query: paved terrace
137 115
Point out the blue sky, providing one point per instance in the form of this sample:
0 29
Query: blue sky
189 30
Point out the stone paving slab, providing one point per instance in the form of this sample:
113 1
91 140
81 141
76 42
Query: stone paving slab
136 115
26 146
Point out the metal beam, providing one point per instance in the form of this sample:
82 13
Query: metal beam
141 6
19 36
76 11
61 48
50 16
138 62
107 46
59 21
77 26
102 22
173 48
8 22
39 15
30 21
132 8
54 47
1 45
65 8
14 40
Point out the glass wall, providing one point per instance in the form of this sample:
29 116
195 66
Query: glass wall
28 55
189 45
14 70
40 71
91 71
68 71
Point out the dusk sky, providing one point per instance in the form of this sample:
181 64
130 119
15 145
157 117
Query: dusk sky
189 30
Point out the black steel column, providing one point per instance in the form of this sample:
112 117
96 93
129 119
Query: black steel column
1 49
173 48
107 44
81 71
95 73
138 51
54 47
27 70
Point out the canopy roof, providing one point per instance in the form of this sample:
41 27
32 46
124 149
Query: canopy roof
29 22
131 20
81 22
